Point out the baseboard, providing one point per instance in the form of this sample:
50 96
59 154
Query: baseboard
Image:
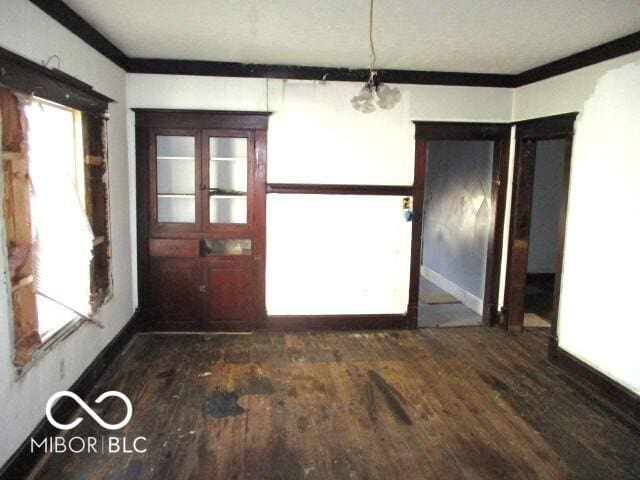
626 402
467 299
275 323
22 462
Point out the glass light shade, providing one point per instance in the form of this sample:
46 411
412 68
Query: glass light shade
366 93
362 102
387 96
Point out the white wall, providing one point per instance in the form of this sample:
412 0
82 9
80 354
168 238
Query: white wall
329 254
598 319
26 30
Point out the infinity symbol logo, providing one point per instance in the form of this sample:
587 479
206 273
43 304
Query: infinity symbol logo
89 410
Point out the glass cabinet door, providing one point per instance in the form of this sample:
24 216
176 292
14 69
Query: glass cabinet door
228 173
176 179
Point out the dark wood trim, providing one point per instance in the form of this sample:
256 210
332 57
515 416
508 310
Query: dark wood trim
194 119
22 75
77 25
460 130
606 51
419 179
22 462
546 128
68 18
500 174
336 189
255 70
519 227
260 242
528 133
540 277
562 227
284 323
143 220
626 402
500 134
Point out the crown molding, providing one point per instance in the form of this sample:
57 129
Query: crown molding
68 18
253 70
606 51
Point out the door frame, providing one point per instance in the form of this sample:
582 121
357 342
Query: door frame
500 134
528 133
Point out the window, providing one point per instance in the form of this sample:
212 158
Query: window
62 238
55 211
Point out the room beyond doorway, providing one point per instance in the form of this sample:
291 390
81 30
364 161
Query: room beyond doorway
458 216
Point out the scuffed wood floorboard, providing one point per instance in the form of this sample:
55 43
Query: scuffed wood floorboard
460 403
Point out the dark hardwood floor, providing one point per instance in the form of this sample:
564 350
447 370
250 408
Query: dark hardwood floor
461 403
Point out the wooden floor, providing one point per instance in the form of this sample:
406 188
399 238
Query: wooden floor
459 403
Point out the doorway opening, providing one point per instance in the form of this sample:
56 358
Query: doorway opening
458 207
538 213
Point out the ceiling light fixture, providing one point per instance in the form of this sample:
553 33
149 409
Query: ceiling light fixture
374 88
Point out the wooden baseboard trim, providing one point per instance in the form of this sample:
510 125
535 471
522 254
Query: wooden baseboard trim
22 462
625 402
283 323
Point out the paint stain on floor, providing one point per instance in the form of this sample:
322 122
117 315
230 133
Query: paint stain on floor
221 403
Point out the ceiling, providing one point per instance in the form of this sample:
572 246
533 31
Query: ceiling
488 36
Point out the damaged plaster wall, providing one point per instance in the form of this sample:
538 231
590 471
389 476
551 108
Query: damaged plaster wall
457 215
598 317
27 31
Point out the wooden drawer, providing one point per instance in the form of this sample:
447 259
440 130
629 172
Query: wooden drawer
174 248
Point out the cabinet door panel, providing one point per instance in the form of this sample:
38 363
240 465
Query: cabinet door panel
176 297
228 169
231 292
175 182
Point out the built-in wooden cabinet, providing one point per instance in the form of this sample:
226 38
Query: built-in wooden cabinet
201 210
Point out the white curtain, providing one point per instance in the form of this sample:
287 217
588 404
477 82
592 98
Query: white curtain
63 239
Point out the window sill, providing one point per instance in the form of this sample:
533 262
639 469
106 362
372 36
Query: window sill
56 337
47 345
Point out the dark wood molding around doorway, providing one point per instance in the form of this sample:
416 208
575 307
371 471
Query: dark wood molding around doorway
499 133
528 133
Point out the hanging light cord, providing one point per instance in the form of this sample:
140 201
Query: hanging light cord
373 50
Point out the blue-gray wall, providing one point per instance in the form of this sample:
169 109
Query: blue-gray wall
457 212
547 189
